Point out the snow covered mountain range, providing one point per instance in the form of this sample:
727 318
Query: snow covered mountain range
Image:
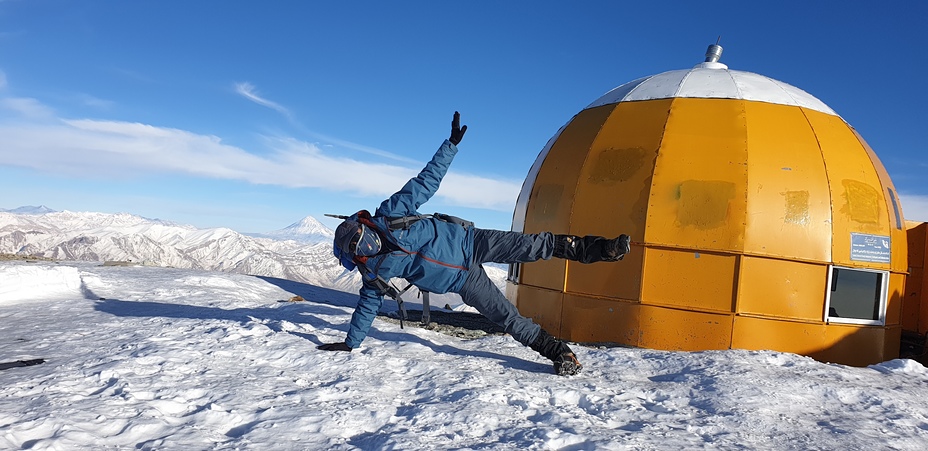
29 210
85 236
301 252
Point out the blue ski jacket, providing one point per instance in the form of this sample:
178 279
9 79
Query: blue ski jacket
434 255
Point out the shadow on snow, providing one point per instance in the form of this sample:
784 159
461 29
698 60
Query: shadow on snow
320 302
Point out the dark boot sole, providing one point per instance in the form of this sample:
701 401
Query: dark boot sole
567 365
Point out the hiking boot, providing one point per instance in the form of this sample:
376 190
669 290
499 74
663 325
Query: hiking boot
590 249
616 249
567 365
565 362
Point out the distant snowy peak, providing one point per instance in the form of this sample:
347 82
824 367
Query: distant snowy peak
81 220
306 230
29 210
309 226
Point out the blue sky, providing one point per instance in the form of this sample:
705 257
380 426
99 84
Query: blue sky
253 115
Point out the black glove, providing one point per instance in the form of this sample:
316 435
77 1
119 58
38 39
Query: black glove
334 347
457 132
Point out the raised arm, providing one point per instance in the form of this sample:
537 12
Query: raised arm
422 187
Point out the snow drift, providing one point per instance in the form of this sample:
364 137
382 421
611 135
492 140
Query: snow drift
24 283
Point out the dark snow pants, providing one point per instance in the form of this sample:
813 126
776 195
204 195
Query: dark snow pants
479 292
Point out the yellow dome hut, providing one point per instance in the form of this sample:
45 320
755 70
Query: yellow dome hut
759 220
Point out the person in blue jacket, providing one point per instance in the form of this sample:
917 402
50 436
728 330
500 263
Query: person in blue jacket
440 257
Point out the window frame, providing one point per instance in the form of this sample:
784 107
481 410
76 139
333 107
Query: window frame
884 294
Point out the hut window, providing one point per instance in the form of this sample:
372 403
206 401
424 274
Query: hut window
856 296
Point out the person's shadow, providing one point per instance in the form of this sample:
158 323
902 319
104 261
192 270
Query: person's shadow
319 302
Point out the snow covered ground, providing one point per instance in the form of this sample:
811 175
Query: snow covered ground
156 358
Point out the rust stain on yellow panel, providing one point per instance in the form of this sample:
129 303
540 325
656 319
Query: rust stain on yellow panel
777 335
553 192
615 182
858 202
690 280
556 183
587 319
788 197
887 183
699 185
797 208
618 165
542 306
681 330
861 202
782 288
704 204
854 345
897 222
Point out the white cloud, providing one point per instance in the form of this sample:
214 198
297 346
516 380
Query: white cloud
361 148
38 139
914 206
104 149
95 102
247 90
27 107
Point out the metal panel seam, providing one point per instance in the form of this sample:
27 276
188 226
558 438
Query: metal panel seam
786 319
739 266
737 88
676 92
831 199
586 159
629 93
657 156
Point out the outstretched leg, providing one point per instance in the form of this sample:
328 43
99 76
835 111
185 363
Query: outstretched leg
480 293
498 246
